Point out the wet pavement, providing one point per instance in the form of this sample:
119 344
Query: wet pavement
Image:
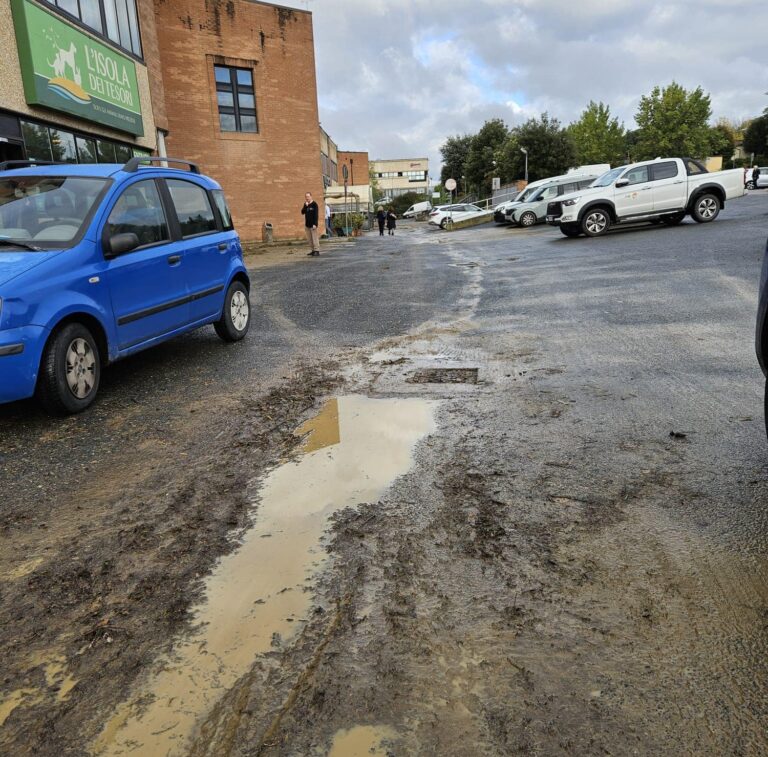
489 492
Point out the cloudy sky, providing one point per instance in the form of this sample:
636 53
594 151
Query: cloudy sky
396 77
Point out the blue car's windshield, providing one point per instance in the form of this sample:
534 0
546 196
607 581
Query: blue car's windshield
608 178
46 211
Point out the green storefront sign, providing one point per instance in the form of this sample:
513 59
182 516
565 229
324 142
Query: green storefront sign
67 70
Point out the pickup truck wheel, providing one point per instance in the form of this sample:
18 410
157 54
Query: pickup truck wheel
236 314
70 371
570 231
673 219
706 208
596 222
527 219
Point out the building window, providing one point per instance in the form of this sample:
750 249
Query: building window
236 98
114 19
59 146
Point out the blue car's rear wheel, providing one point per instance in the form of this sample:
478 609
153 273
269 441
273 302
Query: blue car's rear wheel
70 371
236 315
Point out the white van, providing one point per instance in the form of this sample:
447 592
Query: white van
501 212
420 208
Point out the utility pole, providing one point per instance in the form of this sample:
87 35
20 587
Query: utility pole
523 150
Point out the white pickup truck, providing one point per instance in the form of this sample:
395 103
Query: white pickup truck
664 190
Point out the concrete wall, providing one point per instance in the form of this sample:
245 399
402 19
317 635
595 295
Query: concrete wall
265 175
12 87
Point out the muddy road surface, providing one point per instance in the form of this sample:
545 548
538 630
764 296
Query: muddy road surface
491 492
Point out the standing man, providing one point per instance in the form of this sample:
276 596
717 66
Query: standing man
310 212
755 175
328 224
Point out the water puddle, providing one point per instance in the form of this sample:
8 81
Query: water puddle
361 741
255 597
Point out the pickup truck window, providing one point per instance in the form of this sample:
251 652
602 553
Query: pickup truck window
693 167
637 175
666 170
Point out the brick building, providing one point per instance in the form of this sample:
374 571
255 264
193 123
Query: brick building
357 167
241 100
229 85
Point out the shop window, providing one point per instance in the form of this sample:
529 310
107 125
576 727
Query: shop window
114 19
193 208
123 153
139 211
106 151
36 141
63 146
236 99
86 150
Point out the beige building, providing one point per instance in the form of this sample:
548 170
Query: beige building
397 177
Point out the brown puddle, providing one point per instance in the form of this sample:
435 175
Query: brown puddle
361 741
355 448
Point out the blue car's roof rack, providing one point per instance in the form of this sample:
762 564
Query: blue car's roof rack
133 164
11 164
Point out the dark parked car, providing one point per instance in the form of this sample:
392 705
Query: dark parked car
761 339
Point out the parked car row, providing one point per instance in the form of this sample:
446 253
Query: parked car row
100 261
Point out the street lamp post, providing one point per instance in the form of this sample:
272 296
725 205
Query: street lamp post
523 150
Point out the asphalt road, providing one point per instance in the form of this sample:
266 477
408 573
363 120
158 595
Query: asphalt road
575 563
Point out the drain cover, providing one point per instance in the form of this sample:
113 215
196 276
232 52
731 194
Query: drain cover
445 376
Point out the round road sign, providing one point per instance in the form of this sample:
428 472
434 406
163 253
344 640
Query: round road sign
450 185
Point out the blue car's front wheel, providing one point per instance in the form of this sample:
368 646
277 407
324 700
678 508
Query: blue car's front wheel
70 371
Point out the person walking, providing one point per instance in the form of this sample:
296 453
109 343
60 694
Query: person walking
755 176
381 217
391 222
310 212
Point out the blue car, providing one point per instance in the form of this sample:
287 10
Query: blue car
100 261
761 338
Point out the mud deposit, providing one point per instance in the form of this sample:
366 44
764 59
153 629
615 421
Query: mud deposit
257 595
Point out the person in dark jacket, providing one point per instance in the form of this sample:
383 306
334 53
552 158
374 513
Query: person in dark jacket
381 217
310 212
391 222
755 175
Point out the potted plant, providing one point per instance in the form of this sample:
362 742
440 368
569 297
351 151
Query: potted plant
356 221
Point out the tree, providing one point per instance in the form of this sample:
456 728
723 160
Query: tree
598 138
402 202
756 137
673 122
480 167
722 140
550 149
455 152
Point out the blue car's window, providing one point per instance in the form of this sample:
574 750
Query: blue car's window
221 204
47 210
139 211
192 207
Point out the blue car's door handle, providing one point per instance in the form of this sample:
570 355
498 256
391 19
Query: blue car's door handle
223 246
174 259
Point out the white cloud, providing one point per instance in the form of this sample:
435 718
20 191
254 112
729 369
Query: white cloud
396 77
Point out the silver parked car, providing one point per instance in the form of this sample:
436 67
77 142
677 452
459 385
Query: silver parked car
534 209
